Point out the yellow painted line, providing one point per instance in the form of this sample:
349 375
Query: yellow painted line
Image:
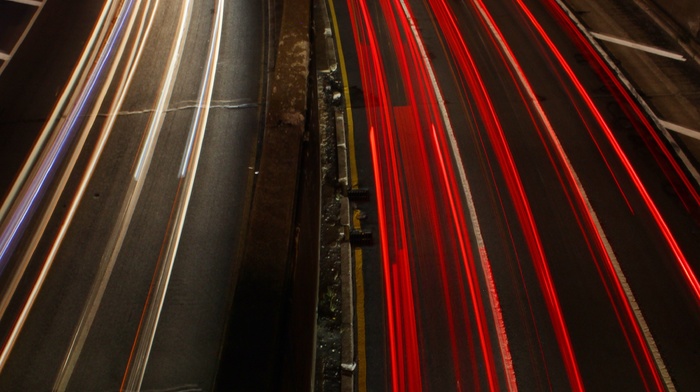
359 277
360 314
346 96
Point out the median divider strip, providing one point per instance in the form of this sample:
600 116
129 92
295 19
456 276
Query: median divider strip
252 356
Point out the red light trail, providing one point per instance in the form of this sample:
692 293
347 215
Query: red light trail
399 152
683 264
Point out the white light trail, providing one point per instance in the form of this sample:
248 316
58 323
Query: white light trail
149 322
47 161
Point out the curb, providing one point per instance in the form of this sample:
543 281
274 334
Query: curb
348 364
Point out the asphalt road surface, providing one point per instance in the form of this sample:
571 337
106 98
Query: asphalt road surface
531 233
137 260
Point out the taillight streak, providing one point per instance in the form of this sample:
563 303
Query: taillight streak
687 271
422 110
621 294
502 151
409 60
403 346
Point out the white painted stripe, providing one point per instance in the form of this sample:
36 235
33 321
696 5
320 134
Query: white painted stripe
77 77
680 129
633 91
634 45
34 3
4 56
25 32
504 349
599 228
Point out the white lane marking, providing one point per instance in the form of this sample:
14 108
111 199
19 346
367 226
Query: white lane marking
34 3
9 291
634 45
104 55
77 78
601 233
4 56
680 129
483 257
97 289
690 167
40 6
149 323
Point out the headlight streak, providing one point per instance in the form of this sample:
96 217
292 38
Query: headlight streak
629 317
29 196
683 264
133 193
140 352
32 191
97 290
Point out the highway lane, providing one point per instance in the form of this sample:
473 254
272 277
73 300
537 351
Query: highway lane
644 255
192 318
25 104
609 348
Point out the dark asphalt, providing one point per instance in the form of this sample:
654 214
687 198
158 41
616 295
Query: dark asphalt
599 344
186 348
36 76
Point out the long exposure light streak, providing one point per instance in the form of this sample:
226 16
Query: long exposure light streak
140 352
506 358
683 264
401 328
496 135
424 107
133 193
475 226
32 192
419 69
97 290
643 340
47 164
